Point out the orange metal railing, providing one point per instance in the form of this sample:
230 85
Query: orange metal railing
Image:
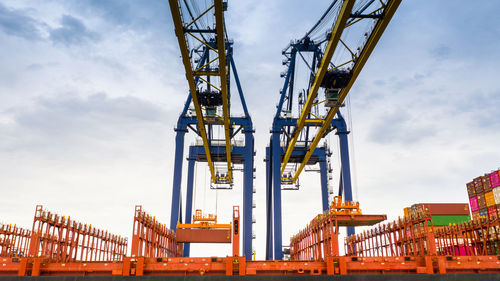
319 239
14 241
415 236
60 239
475 238
408 236
151 238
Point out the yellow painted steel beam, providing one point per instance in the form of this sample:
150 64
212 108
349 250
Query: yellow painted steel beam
206 73
221 50
379 28
345 12
198 17
315 121
179 32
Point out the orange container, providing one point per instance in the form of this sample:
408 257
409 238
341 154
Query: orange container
475 215
489 198
407 212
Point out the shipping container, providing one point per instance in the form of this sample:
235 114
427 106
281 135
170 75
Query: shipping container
483 212
495 179
496 195
443 220
470 189
481 201
490 200
492 212
475 215
446 208
407 211
473 204
478 185
486 182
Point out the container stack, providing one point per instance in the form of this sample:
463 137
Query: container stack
442 214
484 196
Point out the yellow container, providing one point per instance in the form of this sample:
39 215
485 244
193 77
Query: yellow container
490 199
407 212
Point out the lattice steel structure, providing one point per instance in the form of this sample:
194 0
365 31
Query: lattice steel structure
207 56
303 118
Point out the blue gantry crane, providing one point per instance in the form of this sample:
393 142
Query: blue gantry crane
333 51
207 56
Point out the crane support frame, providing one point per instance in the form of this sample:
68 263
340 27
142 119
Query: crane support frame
340 23
210 151
302 135
359 64
181 31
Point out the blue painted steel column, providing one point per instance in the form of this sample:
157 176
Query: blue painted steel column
346 170
189 196
276 148
248 193
176 186
323 170
269 204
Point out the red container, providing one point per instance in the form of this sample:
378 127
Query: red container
495 179
473 204
492 212
486 182
446 208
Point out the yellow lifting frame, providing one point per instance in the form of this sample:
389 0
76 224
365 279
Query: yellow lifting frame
342 18
363 57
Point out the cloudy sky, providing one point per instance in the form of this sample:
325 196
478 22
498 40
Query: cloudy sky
90 92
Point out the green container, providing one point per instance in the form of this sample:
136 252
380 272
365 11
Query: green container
445 220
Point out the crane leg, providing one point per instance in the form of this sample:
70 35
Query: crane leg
278 246
346 170
189 197
323 170
248 194
176 187
269 204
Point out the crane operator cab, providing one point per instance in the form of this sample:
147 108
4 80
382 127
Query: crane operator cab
210 100
333 82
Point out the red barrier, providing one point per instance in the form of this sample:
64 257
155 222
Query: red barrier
415 236
409 236
60 239
151 238
14 241
475 238
319 239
